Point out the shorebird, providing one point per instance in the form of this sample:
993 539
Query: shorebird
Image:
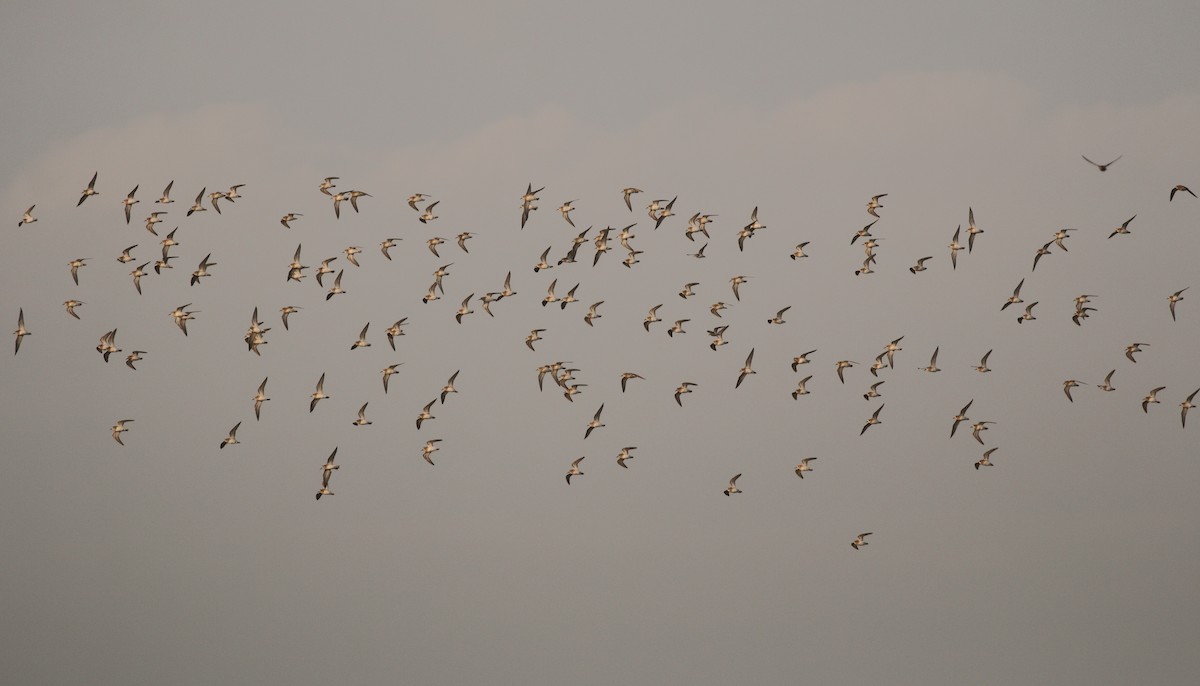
542 263
327 184
462 239
132 357
91 190
1174 190
288 218
1060 236
932 362
651 317
1015 298
287 310
778 318
1123 228
972 230
717 307
198 205
387 372
571 391
800 389
687 290
801 359
624 455
27 217
75 264
1152 398
803 466
118 429
960 417
685 387
260 397
737 281
860 541
527 202
677 327
841 367
330 465
449 387
626 376
1102 167
1185 406
428 215
202 269
71 305
108 344
166 194
550 296
877 364
231 439
864 232
319 394
337 286
872 421
1134 348
125 256
1174 298
920 266
507 290
745 370
665 212
978 427
425 413
628 192
362 416
362 339
153 219
985 461
699 254
533 336
565 210
1068 385
464 309
354 196
1044 250
395 330
983 368
21 331
433 244
416 198
568 298
873 204
718 335
798 252
874 391
351 251
324 269
575 469
591 313
733 485
1107 385
1028 313
954 248
595 423
129 202
430 449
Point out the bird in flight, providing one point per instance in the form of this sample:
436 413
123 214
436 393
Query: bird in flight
1101 167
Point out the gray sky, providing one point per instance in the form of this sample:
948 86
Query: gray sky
1071 561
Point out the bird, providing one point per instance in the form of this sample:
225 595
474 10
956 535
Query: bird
733 485
354 196
416 198
1044 250
920 266
1015 298
1102 167
573 390
21 331
575 469
872 421
960 417
801 359
550 296
699 254
260 397
1028 313
778 318
591 313
428 215
327 184
71 305
1060 236
231 439
1068 385
362 339
685 387
464 309
803 466
533 336
677 327
1185 406
874 391
565 210
687 290
860 540
972 230
319 394
425 413
1176 189
1134 348
125 256
362 416
628 192
651 317
983 368
1151 398
841 366
27 217
985 461
595 423
75 265
166 194
932 362
153 219
198 205
873 204
527 202
129 202
800 389
287 310
118 429
954 248
624 455
716 308
626 376
288 218
134 356
394 330
388 371
326 474
1123 228
737 281
462 239
745 370
719 337
449 387
202 269
1174 298
568 298
91 190
337 286
1107 385
324 269
977 427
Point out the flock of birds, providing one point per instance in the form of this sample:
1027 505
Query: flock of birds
560 372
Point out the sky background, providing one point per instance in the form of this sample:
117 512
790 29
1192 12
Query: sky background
1073 561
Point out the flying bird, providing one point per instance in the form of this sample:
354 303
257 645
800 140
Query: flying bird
166 194
860 540
1107 385
985 461
1101 167
575 470
733 485
595 423
1174 298
129 202
231 439
960 417
1176 189
120 428
745 370
21 331
803 466
319 394
91 190
872 421
1151 398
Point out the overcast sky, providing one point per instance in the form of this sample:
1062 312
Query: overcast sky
167 560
